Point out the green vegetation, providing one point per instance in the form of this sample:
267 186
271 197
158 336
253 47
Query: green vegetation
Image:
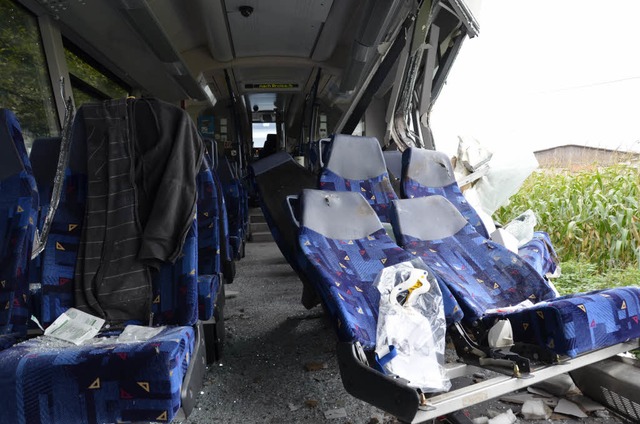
593 219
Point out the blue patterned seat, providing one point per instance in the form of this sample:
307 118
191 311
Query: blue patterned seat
208 242
485 276
427 173
18 215
346 247
356 164
46 381
231 189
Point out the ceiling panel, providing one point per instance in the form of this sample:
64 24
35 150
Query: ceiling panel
276 27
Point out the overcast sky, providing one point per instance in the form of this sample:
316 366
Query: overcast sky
546 73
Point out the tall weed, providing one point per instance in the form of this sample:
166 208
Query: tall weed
591 216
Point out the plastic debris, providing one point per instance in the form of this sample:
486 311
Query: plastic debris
566 407
507 417
335 413
558 385
586 404
293 407
535 410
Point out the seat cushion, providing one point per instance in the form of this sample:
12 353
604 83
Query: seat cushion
378 190
50 381
574 324
481 274
343 272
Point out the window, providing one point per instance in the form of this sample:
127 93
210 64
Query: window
260 131
89 82
25 87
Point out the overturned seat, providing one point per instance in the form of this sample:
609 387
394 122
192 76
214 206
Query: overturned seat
18 215
356 164
107 380
491 283
278 177
427 173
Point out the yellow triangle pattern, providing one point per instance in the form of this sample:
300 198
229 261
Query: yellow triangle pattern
337 284
532 297
582 308
3 283
624 305
20 209
383 260
540 314
373 197
362 189
358 289
193 272
59 246
346 258
206 214
525 325
7 306
157 299
350 242
342 266
307 243
72 227
551 344
162 417
95 384
496 286
144 385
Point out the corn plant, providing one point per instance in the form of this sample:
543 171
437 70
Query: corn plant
591 216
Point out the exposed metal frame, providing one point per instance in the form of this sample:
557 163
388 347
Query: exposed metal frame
479 392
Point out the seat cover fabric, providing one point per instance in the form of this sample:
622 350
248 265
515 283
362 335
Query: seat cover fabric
18 217
50 381
356 164
343 269
579 323
428 173
540 254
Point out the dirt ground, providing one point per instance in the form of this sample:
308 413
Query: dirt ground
279 363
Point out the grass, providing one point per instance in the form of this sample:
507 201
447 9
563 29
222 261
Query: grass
593 219
592 216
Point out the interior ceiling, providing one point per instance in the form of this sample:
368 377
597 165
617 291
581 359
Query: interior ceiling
297 37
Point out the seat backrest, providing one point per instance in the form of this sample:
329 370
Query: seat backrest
208 225
427 173
174 286
356 164
346 247
481 274
18 214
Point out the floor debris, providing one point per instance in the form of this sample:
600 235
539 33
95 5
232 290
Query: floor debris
559 385
315 366
535 410
335 413
566 407
505 418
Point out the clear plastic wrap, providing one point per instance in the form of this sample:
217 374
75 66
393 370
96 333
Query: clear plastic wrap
411 326
522 227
